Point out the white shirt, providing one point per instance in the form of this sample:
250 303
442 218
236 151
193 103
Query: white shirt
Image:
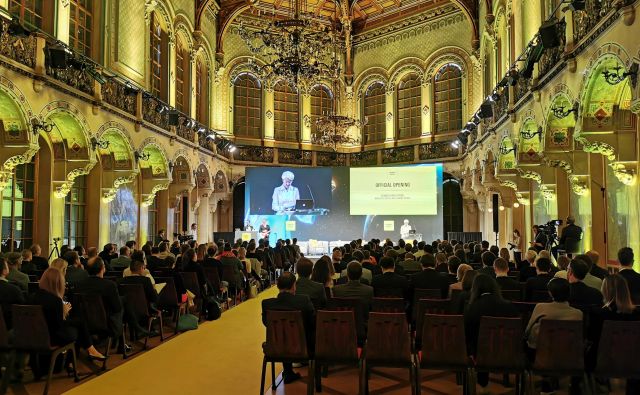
284 198
404 231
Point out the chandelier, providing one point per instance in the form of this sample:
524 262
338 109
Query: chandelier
332 131
295 48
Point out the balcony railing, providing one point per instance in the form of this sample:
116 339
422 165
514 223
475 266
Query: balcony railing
294 157
152 113
551 57
398 155
364 158
585 20
20 49
330 159
183 130
254 154
119 95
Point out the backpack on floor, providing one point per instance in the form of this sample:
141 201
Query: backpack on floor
212 308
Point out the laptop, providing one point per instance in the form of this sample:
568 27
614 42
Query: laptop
304 204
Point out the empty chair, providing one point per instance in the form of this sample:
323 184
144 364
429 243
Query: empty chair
286 342
140 307
168 299
560 350
355 305
31 334
190 281
421 293
91 309
444 347
501 350
388 305
388 345
336 341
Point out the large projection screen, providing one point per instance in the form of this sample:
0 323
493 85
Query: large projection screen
344 203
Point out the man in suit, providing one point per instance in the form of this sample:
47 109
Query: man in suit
501 268
304 285
581 293
137 277
9 294
354 288
124 260
41 262
569 238
366 273
75 270
389 282
590 279
487 264
429 278
625 257
15 276
288 300
596 270
410 264
539 282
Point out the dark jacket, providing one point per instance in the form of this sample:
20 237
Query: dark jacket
287 301
375 269
633 282
40 262
315 292
488 270
486 305
106 288
76 275
236 266
149 289
355 289
599 272
430 279
570 238
28 267
52 309
202 278
508 284
537 283
582 294
526 271
391 281
9 294
596 320
212 262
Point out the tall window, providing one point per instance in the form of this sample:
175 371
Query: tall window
409 117
285 103
75 218
152 223
374 109
177 217
321 104
18 200
247 103
182 77
83 27
38 13
159 60
202 92
448 99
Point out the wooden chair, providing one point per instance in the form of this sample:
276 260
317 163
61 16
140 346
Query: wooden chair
388 345
336 342
90 308
501 350
388 305
286 342
31 335
422 293
429 306
444 347
389 293
560 350
228 275
33 287
190 281
134 293
6 348
618 349
355 305
168 300
525 309
213 277
540 296
514 295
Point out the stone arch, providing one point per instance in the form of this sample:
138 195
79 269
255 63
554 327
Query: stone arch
558 131
70 125
183 29
405 66
220 182
117 160
368 77
203 176
239 66
447 55
529 141
182 172
166 12
158 163
121 138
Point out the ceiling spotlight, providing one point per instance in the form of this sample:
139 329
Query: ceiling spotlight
160 108
17 29
232 148
455 144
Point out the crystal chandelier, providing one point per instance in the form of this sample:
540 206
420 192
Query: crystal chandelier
296 48
333 130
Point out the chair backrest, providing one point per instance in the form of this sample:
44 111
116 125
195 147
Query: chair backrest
136 298
388 293
30 328
525 309
560 348
168 296
514 295
429 306
422 293
212 275
388 340
4 332
228 274
190 280
336 338
90 309
388 305
540 296
33 287
444 342
285 336
351 304
618 350
501 346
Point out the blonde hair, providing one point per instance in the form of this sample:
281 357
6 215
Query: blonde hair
462 269
60 264
531 255
26 254
242 253
52 281
441 257
616 295
544 254
504 254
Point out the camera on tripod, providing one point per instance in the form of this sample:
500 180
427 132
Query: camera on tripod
183 238
57 239
550 229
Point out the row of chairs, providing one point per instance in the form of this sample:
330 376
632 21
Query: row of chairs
560 351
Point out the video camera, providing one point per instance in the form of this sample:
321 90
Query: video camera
183 238
550 229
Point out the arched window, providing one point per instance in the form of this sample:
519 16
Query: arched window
286 114
38 13
84 27
75 216
182 77
448 99
247 104
409 117
374 112
18 199
321 104
202 92
159 60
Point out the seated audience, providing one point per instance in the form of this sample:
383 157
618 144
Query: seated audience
124 260
441 263
389 283
581 293
429 278
336 259
527 266
288 300
9 294
354 288
190 264
140 256
107 254
75 271
487 264
595 269
41 262
453 262
61 265
137 277
229 259
305 286
504 254
539 282
211 262
15 276
27 266
367 265
459 302
625 257
462 269
590 279
501 267
563 264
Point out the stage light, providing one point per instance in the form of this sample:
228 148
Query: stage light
455 144
160 108
232 148
201 129
516 205
17 29
501 208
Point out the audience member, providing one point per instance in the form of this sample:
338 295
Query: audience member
229 259
41 262
527 266
27 266
595 269
306 286
506 283
441 263
124 260
75 272
15 276
563 264
625 258
137 277
354 288
429 278
581 293
487 259
590 279
453 262
462 269
389 283
9 294
61 265
537 284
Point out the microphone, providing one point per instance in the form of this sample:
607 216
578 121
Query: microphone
312 198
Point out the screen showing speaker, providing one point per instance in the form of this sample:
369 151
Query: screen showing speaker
342 203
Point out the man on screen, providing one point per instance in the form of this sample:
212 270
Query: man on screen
405 229
285 196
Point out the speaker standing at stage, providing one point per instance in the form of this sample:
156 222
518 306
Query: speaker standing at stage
285 196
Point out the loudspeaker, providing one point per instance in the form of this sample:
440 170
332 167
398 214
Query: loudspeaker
534 56
486 110
496 208
185 214
173 117
57 58
549 35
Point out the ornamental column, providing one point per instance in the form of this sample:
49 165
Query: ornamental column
390 99
426 105
171 59
306 117
268 115
193 100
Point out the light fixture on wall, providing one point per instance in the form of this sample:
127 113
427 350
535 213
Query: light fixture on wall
613 76
560 112
516 205
38 126
97 143
144 156
504 150
529 134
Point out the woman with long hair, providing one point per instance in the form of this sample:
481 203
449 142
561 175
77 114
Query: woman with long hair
516 242
504 254
321 273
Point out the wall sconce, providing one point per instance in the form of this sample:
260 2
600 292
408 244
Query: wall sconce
560 112
141 156
38 126
504 150
613 76
529 134
102 144
171 166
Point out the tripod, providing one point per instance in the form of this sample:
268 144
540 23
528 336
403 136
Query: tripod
55 249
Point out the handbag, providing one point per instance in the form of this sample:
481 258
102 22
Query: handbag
253 290
187 322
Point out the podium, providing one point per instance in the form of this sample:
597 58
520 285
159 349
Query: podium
246 235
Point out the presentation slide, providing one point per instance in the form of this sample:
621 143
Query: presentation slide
342 203
400 190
